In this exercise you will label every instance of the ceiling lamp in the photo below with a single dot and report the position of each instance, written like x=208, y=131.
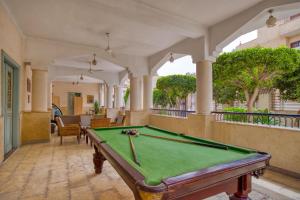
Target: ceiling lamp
x=81, y=77
x=271, y=21
x=171, y=58
x=94, y=61
x=108, y=50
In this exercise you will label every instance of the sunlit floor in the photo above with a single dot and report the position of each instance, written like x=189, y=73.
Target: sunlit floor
x=52, y=171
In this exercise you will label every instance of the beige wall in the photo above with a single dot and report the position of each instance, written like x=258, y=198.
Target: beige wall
x=36, y=127
x=175, y=124
x=61, y=89
x=281, y=143
x=195, y=125
x=137, y=118
x=11, y=42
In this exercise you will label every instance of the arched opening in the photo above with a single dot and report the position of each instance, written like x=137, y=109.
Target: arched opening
x=175, y=85
x=76, y=94
x=269, y=97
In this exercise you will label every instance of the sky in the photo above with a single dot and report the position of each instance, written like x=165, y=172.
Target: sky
x=185, y=65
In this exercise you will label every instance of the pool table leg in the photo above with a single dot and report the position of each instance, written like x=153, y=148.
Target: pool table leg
x=244, y=188
x=98, y=161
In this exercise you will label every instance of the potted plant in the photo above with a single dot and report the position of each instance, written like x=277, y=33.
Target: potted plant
x=96, y=107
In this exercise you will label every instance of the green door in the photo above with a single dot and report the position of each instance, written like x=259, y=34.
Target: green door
x=8, y=108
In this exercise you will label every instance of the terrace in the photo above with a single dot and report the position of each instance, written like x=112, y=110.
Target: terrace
x=71, y=53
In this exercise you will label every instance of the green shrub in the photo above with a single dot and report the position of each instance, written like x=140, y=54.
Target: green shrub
x=256, y=119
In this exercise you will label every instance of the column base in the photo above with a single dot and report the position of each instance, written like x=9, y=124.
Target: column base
x=200, y=125
x=137, y=118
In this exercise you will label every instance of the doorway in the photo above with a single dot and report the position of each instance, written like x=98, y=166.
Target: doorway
x=10, y=103
x=72, y=96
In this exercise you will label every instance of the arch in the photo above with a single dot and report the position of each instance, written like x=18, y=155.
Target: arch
x=194, y=47
x=123, y=76
x=165, y=59
x=110, y=78
x=228, y=30
x=42, y=53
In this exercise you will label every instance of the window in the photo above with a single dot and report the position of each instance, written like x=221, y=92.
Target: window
x=295, y=45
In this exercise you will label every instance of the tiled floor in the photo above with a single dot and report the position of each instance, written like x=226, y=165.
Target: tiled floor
x=52, y=171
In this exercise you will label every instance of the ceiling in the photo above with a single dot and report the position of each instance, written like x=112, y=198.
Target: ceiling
x=137, y=27
x=82, y=62
x=86, y=79
x=205, y=12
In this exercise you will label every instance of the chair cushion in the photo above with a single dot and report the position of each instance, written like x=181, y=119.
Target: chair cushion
x=70, y=119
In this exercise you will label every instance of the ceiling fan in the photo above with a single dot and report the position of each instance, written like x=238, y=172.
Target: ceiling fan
x=108, y=50
x=94, y=62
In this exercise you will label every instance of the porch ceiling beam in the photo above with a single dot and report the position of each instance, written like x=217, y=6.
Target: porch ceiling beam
x=227, y=30
x=152, y=16
x=42, y=53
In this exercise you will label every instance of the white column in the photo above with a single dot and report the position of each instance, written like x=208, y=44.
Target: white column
x=134, y=93
x=110, y=90
x=118, y=97
x=204, y=87
x=101, y=94
x=49, y=92
x=147, y=98
x=39, y=90
x=105, y=95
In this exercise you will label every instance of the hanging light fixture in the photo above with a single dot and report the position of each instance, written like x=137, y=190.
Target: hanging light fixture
x=108, y=49
x=271, y=21
x=171, y=58
x=94, y=61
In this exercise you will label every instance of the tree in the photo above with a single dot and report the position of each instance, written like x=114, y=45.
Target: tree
x=248, y=71
x=289, y=85
x=177, y=87
x=160, y=98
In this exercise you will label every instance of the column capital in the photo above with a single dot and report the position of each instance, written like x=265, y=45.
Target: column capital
x=209, y=61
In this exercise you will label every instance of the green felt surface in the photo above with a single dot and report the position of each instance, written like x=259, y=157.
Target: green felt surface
x=161, y=158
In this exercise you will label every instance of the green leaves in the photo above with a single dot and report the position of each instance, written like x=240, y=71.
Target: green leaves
x=126, y=95
x=289, y=84
x=258, y=67
x=96, y=107
x=170, y=89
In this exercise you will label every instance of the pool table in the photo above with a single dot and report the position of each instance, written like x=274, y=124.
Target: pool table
x=176, y=166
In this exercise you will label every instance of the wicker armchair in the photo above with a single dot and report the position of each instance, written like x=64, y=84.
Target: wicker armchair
x=85, y=123
x=68, y=130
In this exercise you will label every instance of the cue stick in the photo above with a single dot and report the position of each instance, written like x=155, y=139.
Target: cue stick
x=188, y=141
x=133, y=151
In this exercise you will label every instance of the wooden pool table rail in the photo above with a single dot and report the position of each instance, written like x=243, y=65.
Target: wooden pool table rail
x=234, y=178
